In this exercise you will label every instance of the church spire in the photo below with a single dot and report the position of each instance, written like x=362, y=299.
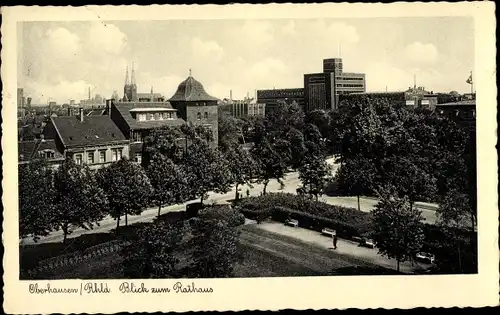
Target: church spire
x=133, y=75
x=127, y=82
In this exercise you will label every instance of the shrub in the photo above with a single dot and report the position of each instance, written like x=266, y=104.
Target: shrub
x=222, y=213
x=347, y=221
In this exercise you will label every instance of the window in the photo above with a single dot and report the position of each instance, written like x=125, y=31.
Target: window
x=149, y=116
x=198, y=116
x=157, y=116
x=78, y=159
x=138, y=157
x=116, y=154
x=141, y=117
x=102, y=156
x=90, y=157
x=206, y=115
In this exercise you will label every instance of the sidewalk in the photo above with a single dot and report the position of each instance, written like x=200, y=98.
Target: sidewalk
x=344, y=247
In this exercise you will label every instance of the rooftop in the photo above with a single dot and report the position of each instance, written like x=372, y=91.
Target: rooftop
x=27, y=150
x=93, y=130
x=191, y=90
x=125, y=109
x=460, y=103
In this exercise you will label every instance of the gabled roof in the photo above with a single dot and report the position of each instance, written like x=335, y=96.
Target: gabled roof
x=28, y=150
x=93, y=130
x=124, y=109
x=191, y=90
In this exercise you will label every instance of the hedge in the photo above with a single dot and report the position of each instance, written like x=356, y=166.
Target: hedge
x=348, y=222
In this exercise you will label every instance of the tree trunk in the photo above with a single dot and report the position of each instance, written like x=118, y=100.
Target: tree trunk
x=65, y=233
x=117, y=223
x=159, y=210
x=201, y=199
x=126, y=219
x=398, y=264
x=265, y=186
x=317, y=197
x=359, y=206
x=237, y=194
x=459, y=258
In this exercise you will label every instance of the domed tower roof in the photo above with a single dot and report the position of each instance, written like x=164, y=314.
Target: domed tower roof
x=191, y=90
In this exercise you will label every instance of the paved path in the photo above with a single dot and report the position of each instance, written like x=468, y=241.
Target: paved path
x=292, y=182
x=344, y=247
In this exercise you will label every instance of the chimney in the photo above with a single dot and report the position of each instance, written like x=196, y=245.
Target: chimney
x=80, y=115
x=231, y=95
x=108, y=107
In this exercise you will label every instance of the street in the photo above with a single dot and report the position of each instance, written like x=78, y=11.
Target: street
x=292, y=182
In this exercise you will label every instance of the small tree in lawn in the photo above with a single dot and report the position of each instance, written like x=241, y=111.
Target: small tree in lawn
x=36, y=199
x=397, y=227
x=79, y=201
x=206, y=169
x=153, y=253
x=168, y=180
x=128, y=189
x=214, y=244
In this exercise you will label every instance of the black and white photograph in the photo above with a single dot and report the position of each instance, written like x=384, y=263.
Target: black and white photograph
x=194, y=149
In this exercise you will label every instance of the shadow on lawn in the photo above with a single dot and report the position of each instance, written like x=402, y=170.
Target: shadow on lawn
x=31, y=255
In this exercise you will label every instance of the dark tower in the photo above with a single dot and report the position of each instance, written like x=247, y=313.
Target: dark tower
x=126, y=88
x=133, y=86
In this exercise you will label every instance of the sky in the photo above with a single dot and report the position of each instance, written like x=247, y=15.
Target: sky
x=61, y=60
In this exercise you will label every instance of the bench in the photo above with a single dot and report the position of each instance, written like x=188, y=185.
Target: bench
x=327, y=231
x=292, y=222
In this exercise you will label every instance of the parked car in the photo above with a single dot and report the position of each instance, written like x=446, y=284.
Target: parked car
x=327, y=231
x=425, y=257
x=292, y=222
x=367, y=242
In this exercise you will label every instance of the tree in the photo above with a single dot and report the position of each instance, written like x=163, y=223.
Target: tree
x=36, y=199
x=357, y=177
x=314, y=174
x=78, y=200
x=153, y=253
x=271, y=159
x=168, y=181
x=128, y=189
x=229, y=131
x=214, y=244
x=397, y=228
x=168, y=141
x=241, y=166
x=206, y=169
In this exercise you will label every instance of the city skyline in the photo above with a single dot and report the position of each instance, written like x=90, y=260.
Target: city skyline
x=61, y=60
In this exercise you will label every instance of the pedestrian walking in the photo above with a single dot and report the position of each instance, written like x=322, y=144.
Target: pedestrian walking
x=334, y=237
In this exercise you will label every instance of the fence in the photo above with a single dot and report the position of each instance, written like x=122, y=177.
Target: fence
x=78, y=257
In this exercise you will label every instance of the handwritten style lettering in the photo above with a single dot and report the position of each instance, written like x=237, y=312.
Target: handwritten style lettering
x=180, y=288
x=130, y=287
x=35, y=289
x=91, y=288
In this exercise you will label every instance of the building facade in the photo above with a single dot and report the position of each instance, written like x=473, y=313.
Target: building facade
x=322, y=90
x=92, y=140
x=271, y=98
x=418, y=96
x=243, y=108
x=462, y=112
x=39, y=149
x=395, y=98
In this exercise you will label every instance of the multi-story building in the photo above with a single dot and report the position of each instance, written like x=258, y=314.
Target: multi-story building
x=92, y=140
x=322, y=90
x=462, y=112
x=396, y=98
x=418, y=96
x=39, y=149
x=271, y=98
x=243, y=108
x=136, y=119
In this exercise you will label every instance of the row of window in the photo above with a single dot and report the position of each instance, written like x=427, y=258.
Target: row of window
x=155, y=116
x=349, y=78
x=116, y=155
x=205, y=115
x=350, y=85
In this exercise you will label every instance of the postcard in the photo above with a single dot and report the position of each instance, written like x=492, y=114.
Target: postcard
x=249, y=157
